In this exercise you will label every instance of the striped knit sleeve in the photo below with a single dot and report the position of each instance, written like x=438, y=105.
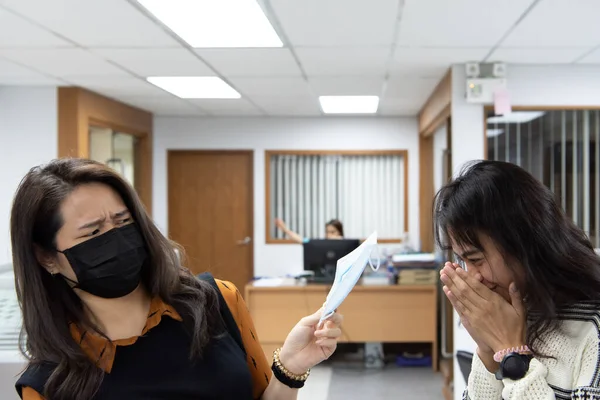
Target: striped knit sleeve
x=586, y=379
x=256, y=359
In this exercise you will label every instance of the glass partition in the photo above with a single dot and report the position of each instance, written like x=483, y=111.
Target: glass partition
x=559, y=147
x=115, y=149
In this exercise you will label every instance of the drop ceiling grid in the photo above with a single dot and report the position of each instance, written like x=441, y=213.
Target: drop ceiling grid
x=342, y=47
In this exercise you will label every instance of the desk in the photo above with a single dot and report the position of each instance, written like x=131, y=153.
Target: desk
x=393, y=314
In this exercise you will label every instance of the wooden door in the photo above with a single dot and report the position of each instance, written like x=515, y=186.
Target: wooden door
x=211, y=211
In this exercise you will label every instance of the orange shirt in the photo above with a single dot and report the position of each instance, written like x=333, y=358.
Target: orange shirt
x=102, y=351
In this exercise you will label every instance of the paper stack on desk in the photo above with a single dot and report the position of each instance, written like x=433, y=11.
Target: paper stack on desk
x=348, y=271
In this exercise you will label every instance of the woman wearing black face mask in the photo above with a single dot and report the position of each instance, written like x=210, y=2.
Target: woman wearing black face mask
x=109, y=313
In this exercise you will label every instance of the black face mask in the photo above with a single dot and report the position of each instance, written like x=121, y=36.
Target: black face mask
x=109, y=265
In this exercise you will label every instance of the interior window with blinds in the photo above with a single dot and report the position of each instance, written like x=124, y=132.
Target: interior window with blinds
x=562, y=149
x=366, y=192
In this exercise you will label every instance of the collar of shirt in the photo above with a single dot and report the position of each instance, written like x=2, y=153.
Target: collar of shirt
x=102, y=350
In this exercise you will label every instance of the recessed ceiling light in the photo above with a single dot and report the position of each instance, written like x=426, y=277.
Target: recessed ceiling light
x=516, y=117
x=216, y=23
x=494, y=132
x=349, y=104
x=195, y=87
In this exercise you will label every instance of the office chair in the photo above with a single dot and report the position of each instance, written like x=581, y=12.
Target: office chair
x=464, y=359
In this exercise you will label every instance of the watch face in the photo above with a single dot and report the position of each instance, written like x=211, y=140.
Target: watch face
x=514, y=366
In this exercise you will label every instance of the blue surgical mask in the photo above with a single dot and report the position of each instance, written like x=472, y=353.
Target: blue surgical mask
x=348, y=271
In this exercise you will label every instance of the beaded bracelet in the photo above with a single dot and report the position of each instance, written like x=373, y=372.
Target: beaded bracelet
x=521, y=350
x=286, y=377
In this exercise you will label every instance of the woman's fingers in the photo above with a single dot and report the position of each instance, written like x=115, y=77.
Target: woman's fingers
x=328, y=333
x=333, y=320
x=336, y=319
x=328, y=343
x=456, y=304
x=452, y=285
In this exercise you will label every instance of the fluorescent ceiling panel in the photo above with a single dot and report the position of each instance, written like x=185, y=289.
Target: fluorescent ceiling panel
x=195, y=87
x=349, y=104
x=494, y=132
x=516, y=117
x=216, y=23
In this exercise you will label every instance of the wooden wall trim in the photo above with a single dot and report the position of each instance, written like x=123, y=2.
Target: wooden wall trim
x=78, y=109
x=436, y=109
x=270, y=153
x=426, y=193
x=435, y=112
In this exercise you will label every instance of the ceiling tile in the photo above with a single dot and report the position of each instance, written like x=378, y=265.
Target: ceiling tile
x=222, y=107
x=289, y=105
x=93, y=23
x=62, y=62
x=398, y=107
x=157, y=62
x=414, y=90
x=15, y=32
x=337, y=22
x=369, y=61
x=251, y=62
x=13, y=74
x=558, y=23
x=403, y=87
x=537, y=55
x=432, y=62
x=458, y=23
x=117, y=86
x=346, y=85
x=8, y=69
x=163, y=105
x=39, y=80
x=592, y=58
x=271, y=86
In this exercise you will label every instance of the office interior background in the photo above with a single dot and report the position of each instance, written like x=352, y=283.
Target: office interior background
x=225, y=115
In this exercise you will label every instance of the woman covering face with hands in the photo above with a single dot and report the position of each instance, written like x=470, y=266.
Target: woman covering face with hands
x=526, y=285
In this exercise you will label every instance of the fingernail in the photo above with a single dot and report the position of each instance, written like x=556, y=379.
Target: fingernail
x=513, y=288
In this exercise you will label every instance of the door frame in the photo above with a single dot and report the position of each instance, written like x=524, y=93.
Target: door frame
x=247, y=152
x=78, y=109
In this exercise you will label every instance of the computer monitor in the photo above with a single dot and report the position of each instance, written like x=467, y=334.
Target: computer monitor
x=321, y=255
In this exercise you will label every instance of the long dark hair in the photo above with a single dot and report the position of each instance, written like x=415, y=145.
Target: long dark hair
x=337, y=224
x=48, y=304
x=522, y=217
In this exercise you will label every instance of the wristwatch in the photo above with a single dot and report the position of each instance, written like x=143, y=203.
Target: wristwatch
x=514, y=366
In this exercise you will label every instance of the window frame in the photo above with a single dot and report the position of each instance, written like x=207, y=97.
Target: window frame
x=270, y=153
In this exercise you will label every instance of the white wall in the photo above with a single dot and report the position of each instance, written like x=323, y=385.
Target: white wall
x=528, y=85
x=260, y=134
x=554, y=85
x=29, y=132
x=440, y=139
x=467, y=144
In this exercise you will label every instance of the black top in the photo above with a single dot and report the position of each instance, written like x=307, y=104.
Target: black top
x=157, y=366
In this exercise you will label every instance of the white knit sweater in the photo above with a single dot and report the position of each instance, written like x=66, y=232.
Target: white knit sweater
x=573, y=373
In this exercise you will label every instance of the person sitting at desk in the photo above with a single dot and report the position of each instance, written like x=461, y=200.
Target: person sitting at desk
x=110, y=313
x=334, y=229
x=526, y=287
